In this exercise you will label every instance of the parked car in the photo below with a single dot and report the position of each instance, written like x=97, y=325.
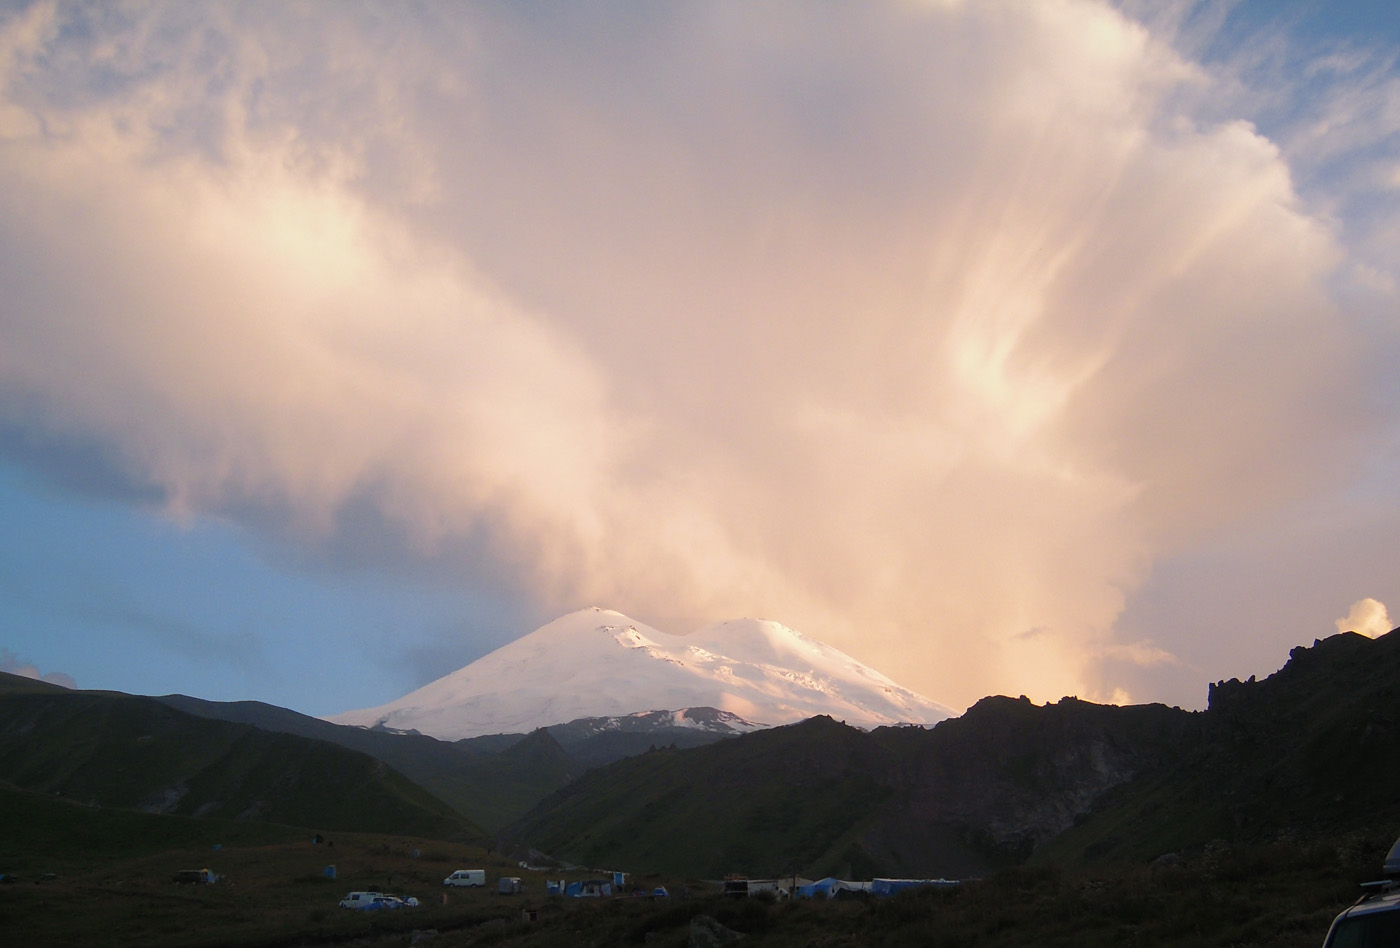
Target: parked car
x=1374, y=921
x=466, y=877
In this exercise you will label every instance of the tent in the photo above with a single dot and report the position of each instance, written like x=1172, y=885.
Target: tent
x=888, y=887
x=827, y=888
x=588, y=889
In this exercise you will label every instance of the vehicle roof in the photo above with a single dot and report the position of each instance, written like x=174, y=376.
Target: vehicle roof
x=1387, y=901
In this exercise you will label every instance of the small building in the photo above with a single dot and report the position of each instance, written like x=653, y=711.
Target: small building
x=778, y=888
x=509, y=885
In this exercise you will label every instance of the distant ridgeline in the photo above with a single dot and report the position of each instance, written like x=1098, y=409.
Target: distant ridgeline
x=69, y=744
x=1311, y=751
x=493, y=779
x=122, y=751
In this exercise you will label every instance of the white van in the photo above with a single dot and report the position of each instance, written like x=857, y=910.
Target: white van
x=466, y=877
x=360, y=900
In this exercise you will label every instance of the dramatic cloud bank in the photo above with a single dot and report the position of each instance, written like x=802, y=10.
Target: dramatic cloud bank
x=925, y=329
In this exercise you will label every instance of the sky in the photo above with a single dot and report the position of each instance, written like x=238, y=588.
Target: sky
x=1036, y=347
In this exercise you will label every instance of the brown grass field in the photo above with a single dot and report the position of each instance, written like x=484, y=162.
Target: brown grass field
x=273, y=893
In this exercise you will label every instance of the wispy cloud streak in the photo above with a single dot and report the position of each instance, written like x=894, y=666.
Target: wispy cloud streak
x=915, y=327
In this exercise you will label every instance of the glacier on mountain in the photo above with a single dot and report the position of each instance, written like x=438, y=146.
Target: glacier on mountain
x=598, y=663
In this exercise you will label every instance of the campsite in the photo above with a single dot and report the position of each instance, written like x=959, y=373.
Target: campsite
x=107, y=878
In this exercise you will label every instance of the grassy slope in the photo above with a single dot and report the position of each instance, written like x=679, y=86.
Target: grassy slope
x=820, y=797
x=490, y=780
x=501, y=787
x=49, y=834
x=494, y=780
x=768, y=802
x=114, y=889
x=114, y=881
x=1275, y=898
x=130, y=752
x=20, y=685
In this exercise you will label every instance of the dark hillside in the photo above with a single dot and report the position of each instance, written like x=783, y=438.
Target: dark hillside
x=1319, y=740
x=130, y=752
x=490, y=780
x=1311, y=752
x=493, y=779
x=48, y=833
x=768, y=803
x=819, y=797
x=502, y=786
x=394, y=748
x=20, y=685
x=1008, y=776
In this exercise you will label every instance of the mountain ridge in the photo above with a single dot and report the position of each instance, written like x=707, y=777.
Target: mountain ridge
x=1311, y=751
x=491, y=779
x=138, y=753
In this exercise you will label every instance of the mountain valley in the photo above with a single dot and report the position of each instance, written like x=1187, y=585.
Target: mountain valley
x=1308, y=750
x=1290, y=781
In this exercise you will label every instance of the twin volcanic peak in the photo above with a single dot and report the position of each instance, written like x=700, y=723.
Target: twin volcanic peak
x=597, y=663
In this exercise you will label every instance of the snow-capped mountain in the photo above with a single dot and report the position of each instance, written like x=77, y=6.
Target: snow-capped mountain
x=598, y=663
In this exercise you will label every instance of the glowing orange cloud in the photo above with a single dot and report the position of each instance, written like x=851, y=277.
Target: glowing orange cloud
x=922, y=329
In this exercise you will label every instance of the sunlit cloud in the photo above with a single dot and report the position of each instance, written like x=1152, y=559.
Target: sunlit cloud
x=1368, y=617
x=1141, y=653
x=913, y=327
x=11, y=663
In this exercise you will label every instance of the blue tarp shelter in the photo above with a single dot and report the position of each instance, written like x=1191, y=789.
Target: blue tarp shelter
x=888, y=887
x=588, y=889
x=823, y=888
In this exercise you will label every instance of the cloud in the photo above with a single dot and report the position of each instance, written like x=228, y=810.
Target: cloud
x=1329, y=98
x=1141, y=653
x=914, y=327
x=11, y=663
x=1367, y=616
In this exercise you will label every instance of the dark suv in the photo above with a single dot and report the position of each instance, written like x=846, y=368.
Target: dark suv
x=1374, y=921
